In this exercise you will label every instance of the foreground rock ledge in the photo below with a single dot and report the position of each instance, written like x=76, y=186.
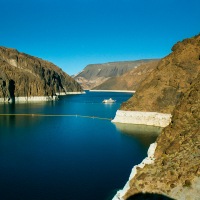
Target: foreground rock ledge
x=146, y=118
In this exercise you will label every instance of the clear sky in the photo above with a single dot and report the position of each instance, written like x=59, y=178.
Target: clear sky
x=74, y=33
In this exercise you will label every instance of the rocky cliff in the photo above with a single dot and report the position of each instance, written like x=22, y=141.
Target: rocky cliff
x=95, y=74
x=174, y=87
x=163, y=88
x=130, y=80
x=176, y=170
x=22, y=75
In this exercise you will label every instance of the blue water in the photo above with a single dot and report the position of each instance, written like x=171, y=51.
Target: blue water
x=66, y=158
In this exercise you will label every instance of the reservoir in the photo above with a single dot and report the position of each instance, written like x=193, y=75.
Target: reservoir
x=54, y=156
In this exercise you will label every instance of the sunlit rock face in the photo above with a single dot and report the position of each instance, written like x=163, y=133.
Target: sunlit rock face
x=175, y=171
x=164, y=87
x=22, y=75
x=94, y=75
x=173, y=88
x=131, y=79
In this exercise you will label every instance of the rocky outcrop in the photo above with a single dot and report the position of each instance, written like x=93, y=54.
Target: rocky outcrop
x=95, y=74
x=130, y=80
x=163, y=88
x=175, y=171
x=22, y=75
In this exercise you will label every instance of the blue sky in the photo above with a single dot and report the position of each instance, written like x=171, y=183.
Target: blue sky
x=72, y=34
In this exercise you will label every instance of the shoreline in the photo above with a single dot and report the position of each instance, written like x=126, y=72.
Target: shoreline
x=36, y=98
x=147, y=161
x=28, y=99
x=125, y=91
x=66, y=93
x=145, y=118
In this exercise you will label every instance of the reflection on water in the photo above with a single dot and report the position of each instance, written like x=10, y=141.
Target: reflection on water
x=11, y=121
x=143, y=133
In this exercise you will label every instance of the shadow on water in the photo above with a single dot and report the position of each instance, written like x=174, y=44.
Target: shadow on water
x=142, y=133
x=18, y=108
x=148, y=196
x=7, y=120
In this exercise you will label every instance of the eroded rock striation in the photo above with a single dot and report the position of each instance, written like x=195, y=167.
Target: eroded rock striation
x=130, y=80
x=95, y=74
x=22, y=75
x=173, y=88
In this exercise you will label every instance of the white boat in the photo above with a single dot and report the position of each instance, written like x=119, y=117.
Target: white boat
x=109, y=100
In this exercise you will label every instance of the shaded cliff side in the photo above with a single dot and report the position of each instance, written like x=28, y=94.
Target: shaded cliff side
x=22, y=75
x=163, y=88
x=95, y=74
x=131, y=80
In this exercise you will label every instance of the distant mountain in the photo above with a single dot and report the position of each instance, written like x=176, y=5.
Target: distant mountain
x=95, y=74
x=131, y=79
x=22, y=75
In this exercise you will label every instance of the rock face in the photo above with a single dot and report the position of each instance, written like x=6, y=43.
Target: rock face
x=130, y=80
x=163, y=88
x=174, y=87
x=176, y=169
x=22, y=75
x=95, y=74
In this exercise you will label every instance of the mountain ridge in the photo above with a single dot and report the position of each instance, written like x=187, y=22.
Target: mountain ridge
x=95, y=74
x=23, y=75
x=129, y=80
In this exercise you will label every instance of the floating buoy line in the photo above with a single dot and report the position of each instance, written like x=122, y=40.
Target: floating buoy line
x=57, y=115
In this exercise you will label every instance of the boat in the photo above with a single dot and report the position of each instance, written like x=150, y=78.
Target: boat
x=109, y=100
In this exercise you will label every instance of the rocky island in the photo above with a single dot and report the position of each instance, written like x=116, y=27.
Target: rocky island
x=172, y=167
x=27, y=78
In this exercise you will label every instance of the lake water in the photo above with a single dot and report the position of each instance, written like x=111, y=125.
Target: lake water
x=68, y=157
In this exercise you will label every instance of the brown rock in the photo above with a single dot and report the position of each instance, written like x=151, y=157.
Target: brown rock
x=177, y=153
x=131, y=80
x=26, y=76
x=163, y=88
x=105, y=76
